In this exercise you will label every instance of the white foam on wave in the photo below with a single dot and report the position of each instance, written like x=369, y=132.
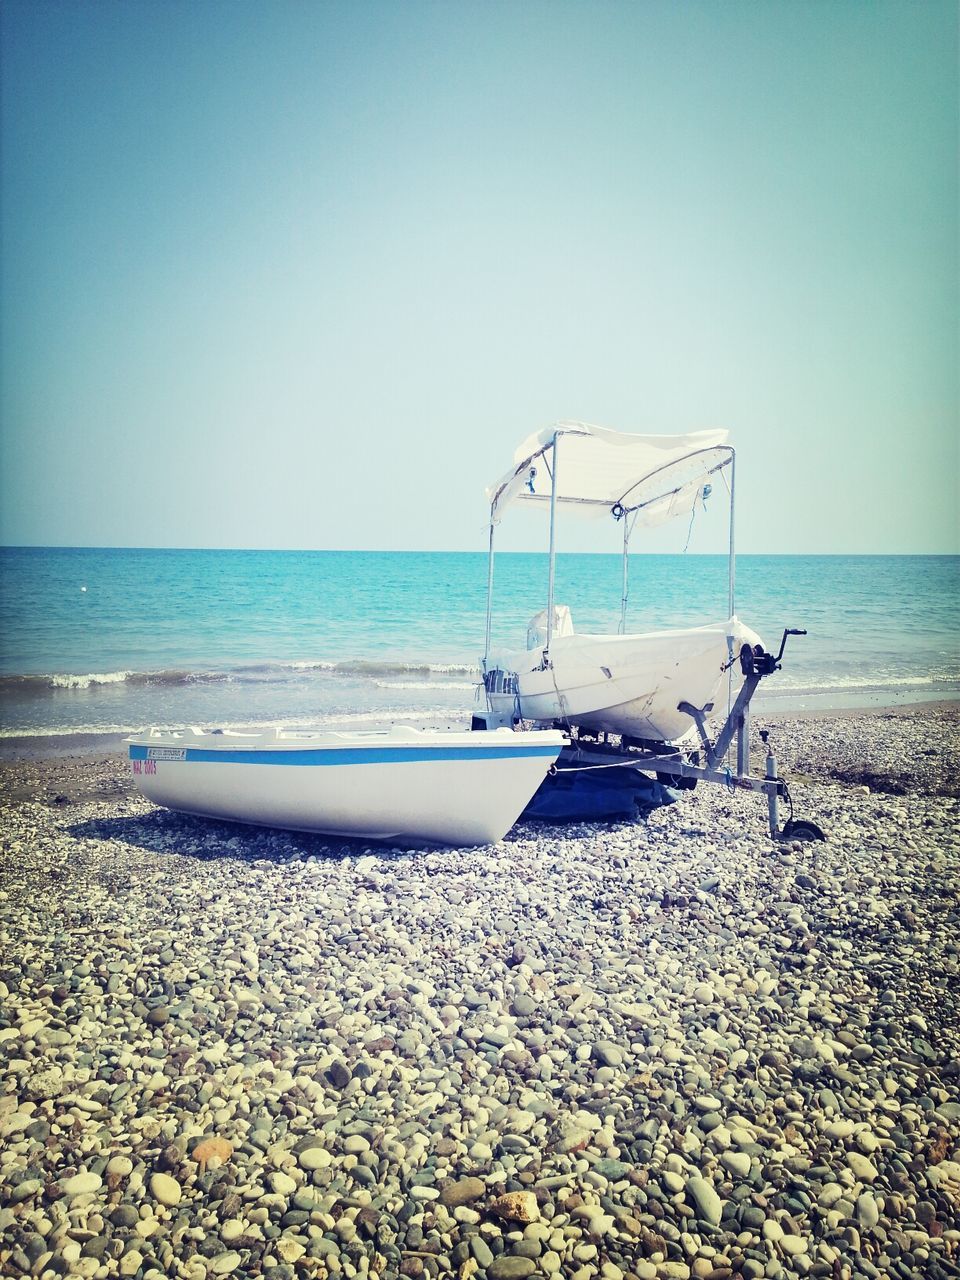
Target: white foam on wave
x=372, y=667
x=387, y=715
x=69, y=731
x=420, y=684
x=69, y=681
x=385, y=674
x=837, y=683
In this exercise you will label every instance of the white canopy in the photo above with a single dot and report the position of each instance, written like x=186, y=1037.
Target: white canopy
x=601, y=471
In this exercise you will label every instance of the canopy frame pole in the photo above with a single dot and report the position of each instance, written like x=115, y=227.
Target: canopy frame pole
x=486, y=646
x=626, y=572
x=732, y=560
x=551, y=573
x=731, y=577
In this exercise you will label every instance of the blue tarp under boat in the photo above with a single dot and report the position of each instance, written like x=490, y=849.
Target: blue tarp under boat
x=596, y=795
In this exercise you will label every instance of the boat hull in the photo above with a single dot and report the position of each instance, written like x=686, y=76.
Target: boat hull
x=455, y=788
x=630, y=684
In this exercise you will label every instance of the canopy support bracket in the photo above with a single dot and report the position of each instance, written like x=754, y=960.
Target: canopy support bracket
x=553, y=551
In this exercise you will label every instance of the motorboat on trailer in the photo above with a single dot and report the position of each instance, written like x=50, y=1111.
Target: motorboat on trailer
x=452, y=787
x=635, y=685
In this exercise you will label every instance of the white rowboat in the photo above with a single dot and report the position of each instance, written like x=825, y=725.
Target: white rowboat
x=445, y=787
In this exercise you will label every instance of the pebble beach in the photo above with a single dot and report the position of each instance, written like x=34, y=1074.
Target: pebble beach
x=665, y=1049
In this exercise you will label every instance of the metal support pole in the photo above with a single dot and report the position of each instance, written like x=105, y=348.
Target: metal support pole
x=625, y=589
x=732, y=562
x=551, y=574
x=743, y=743
x=486, y=647
x=772, y=799
x=747, y=690
x=699, y=717
x=731, y=573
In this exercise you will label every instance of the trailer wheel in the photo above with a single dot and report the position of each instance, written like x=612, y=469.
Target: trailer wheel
x=801, y=830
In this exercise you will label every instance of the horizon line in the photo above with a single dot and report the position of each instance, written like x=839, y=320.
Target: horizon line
x=720, y=555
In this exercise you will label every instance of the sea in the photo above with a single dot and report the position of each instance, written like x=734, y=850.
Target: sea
x=106, y=641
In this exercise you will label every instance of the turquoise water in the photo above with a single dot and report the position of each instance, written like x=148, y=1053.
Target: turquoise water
x=105, y=640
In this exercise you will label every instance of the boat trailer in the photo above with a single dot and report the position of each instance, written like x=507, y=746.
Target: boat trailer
x=682, y=769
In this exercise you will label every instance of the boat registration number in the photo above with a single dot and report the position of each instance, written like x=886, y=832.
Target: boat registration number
x=166, y=753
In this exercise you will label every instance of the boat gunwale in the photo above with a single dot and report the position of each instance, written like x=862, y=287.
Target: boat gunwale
x=527, y=745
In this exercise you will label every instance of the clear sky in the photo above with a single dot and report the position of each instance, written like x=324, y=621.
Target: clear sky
x=290, y=274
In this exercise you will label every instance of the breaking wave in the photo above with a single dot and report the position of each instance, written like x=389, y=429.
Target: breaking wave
x=96, y=679
x=434, y=684
x=424, y=716
x=827, y=682
x=408, y=674
x=426, y=670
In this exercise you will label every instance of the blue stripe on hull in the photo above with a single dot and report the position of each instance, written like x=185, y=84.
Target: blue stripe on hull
x=323, y=756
